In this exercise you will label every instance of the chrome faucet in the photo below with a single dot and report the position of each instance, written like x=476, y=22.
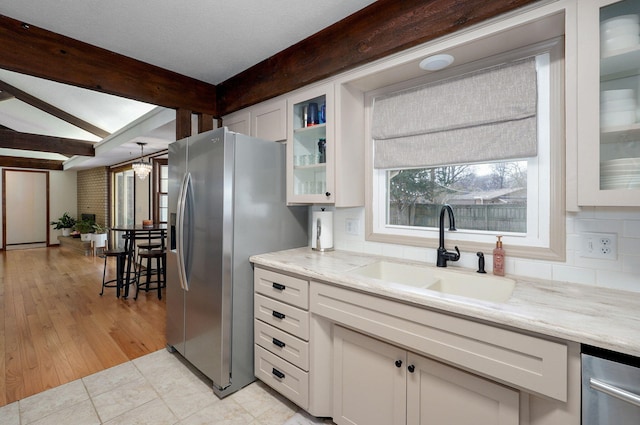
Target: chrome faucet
x=443, y=254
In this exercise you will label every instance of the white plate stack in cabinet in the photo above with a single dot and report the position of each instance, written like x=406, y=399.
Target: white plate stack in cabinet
x=608, y=60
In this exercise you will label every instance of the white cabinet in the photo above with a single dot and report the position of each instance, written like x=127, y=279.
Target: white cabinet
x=608, y=103
x=269, y=120
x=310, y=147
x=379, y=383
x=325, y=146
x=266, y=120
x=368, y=387
x=283, y=352
x=239, y=122
x=281, y=334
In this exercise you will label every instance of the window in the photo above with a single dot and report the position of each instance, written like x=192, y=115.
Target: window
x=493, y=192
x=161, y=200
x=490, y=197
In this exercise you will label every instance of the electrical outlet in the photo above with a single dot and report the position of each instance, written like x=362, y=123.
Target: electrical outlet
x=351, y=226
x=599, y=245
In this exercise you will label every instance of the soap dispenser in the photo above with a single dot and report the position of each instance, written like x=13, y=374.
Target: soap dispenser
x=498, y=258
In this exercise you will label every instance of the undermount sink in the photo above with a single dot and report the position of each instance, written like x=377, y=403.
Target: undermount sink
x=405, y=274
x=479, y=286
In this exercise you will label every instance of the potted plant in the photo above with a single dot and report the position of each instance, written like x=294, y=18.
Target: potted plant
x=99, y=236
x=66, y=222
x=85, y=228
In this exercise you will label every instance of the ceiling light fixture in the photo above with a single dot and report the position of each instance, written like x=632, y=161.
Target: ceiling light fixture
x=436, y=62
x=141, y=168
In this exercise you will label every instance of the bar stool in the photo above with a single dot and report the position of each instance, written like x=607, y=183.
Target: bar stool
x=118, y=282
x=159, y=271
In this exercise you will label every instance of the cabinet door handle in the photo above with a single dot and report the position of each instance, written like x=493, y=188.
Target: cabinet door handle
x=279, y=343
x=398, y=363
x=277, y=373
x=278, y=286
x=327, y=194
x=411, y=368
x=278, y=315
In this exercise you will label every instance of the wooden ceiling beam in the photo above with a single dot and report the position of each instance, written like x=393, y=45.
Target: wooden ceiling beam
x=20, y=162
x=5, y=96
x=35, y=142
x=381, y=29
x=45, y=54
x=52, y=110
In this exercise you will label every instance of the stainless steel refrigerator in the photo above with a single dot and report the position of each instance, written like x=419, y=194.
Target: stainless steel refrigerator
x=226, y=203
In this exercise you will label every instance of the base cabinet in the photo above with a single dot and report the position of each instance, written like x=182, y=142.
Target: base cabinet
x=368, y=387
x=379, y=383
x=441, y=394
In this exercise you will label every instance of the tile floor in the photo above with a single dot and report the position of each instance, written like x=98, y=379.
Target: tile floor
x=155, y=389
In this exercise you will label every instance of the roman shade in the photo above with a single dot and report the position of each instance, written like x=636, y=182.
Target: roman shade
x=487, y=115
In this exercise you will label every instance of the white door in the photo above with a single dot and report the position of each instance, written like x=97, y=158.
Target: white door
x=25, y=207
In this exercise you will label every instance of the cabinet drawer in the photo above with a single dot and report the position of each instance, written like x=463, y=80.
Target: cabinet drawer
x=288, y=289
x=282, y=376
x=282, y=344
x=282, y=316
x=531, y=363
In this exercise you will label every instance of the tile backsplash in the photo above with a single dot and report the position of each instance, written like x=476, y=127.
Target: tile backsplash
x=621, y=273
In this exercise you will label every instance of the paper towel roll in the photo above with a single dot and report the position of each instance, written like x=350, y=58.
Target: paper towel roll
x=322, y=231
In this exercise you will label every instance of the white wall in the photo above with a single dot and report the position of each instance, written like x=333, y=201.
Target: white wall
x=623, y=273
x=63, y=197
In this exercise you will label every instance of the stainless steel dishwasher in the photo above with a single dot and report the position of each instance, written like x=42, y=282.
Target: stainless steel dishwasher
x=610, y=388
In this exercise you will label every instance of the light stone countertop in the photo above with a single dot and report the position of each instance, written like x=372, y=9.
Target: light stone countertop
x=585, y=314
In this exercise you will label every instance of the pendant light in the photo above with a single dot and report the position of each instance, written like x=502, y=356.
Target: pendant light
x=141, y=168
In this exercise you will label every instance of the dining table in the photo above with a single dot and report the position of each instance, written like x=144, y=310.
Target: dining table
x=132, y=233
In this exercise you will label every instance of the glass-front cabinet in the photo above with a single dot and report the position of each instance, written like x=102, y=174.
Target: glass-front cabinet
x=609, y=102
x=310, y=147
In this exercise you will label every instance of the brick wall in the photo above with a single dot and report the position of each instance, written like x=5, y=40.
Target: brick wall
x=93, y=193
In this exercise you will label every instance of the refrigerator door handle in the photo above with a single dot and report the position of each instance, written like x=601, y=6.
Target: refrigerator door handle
x=182, y=205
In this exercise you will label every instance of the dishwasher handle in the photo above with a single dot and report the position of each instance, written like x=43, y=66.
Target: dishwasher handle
x=614, y=391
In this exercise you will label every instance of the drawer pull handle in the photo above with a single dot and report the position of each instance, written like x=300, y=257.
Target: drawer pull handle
x=277, y=373
x=278, y=286
x=278, y=315
x=279, y=343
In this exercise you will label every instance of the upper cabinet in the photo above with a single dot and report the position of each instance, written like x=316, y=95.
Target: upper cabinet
x=239, y=122
x=325, y=146
x=266, y=120
x=609, y=102
x=310, y=152
x=269, y=120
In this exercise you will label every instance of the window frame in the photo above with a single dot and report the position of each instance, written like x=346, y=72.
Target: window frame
x=158, y=163
x=550, y=239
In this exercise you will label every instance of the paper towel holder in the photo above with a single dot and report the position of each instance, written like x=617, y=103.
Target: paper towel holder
x=319, y=236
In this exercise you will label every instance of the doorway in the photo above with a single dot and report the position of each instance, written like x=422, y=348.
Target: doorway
x=25, y=210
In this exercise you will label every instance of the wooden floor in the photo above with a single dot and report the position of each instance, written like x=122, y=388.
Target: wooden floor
x=55, y=327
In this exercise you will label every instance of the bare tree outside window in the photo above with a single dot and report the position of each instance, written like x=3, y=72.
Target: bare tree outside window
x=485, y=197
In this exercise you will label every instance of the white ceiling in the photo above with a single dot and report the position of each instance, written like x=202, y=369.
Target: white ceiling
x=208, y=40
